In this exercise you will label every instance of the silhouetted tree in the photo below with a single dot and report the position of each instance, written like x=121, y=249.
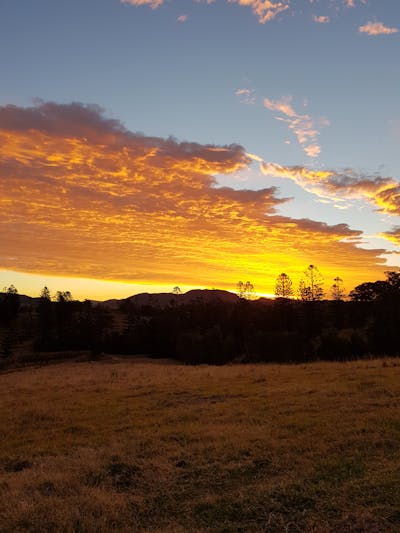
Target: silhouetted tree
x=337, y=289
x=245, y=290
x=283, y=286
x=46, y=319
x=63, y=297
x=393, y=280
x=45, y=294
x=176, y=290
x=9, y=304
x=45, y=309
x=311, y=285
x=304, y=291
x=9, y=308
x=369, y=291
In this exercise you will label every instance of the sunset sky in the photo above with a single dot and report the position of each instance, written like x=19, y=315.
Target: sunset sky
x=146, y=144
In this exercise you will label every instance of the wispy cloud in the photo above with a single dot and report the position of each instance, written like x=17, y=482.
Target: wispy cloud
x=352, y=3
x=182, y=18
x=312, y=150
x=82, y=196
x=264, y=10
x=154, y=4
x=377, y=28
x=302, y=125
x=393, y=235
x=246, y=96
x=381, y=192
x=321, y=19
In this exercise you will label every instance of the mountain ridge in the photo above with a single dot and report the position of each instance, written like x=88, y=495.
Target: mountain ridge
x=161, y=300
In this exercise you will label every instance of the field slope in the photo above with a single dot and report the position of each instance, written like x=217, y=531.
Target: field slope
x=147, y=446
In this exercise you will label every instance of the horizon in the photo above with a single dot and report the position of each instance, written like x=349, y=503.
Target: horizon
x=253, y=295
x=81, y=297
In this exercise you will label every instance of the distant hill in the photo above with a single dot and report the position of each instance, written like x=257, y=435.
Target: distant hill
x=161, y=300
x=26, y=301
x=165, y=299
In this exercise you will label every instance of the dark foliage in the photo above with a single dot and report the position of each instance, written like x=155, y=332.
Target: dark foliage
x=216, y=332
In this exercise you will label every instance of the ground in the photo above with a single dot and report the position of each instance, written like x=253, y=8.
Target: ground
x=136, y=445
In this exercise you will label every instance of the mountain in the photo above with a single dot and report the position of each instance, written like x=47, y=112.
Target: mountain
x=160, y=300
x=166, y=299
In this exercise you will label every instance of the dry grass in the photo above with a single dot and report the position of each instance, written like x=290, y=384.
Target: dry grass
x=132, y=446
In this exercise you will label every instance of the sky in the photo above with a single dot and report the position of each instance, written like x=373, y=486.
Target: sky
x=146, y=144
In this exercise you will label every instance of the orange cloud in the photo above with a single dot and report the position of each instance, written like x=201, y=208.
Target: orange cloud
x=377, y=28
x=82, y=196
x=393, y=235
x=303, y=126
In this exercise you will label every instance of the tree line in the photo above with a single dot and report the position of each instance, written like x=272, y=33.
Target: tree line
x=283, y=329
x=310, y=287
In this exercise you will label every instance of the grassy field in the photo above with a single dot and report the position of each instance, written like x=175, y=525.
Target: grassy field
x=151, y=446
